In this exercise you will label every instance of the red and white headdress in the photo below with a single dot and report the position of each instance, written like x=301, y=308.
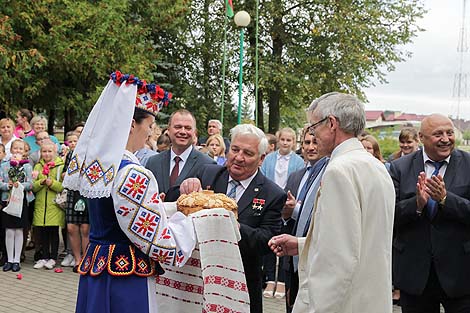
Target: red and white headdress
x=99, y=151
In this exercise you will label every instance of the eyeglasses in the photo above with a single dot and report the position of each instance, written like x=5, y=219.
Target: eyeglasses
x=311, y=128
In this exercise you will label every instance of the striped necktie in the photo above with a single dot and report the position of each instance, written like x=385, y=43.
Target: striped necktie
x=233, y=191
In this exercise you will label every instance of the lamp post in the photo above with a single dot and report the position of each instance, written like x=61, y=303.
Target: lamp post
x=241, y=19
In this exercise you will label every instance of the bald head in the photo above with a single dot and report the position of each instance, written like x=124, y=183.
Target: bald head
x=437, y=136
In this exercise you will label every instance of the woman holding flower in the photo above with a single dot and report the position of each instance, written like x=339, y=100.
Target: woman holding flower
x=48, y=217
x=12, y=174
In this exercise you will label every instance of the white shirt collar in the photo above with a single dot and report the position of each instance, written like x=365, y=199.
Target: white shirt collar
x=426, y=158
x=184, y=156
x=286, y=157
x=246, y=182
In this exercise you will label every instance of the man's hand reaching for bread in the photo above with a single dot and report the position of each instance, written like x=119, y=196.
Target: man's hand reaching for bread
x=189, y=185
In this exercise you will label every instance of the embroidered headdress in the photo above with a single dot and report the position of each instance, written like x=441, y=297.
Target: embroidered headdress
x=99, y=150
x=150, y=97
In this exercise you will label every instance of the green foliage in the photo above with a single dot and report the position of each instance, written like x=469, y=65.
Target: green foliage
x=388, y=144
x=55, y=55
x=308, y=48
x=79, y=44
x=466, y=135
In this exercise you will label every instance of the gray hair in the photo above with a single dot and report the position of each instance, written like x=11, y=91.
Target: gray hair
x=38, y=118
x=251, y=130
x=216, y=122
x=346, y=108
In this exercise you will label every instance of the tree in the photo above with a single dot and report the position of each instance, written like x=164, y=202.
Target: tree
x=80, y=43
x=309, y=47
x=17, y=66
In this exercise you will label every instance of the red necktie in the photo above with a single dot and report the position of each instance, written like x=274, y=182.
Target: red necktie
x=175, y=171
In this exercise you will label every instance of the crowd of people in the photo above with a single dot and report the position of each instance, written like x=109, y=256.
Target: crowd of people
x=321, y=238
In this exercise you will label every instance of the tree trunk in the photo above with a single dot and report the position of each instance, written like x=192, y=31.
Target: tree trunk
x=274, y=112
x=50, y=122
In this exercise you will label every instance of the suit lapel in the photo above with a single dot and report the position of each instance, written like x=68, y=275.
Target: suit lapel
x=451, y=170
x=192, y=158
x=418, y=163
x=221, y=186
x=165, y=170
x=254, y=188
x=297, y=181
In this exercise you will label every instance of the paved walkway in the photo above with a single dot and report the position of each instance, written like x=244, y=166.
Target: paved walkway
x=46, y=291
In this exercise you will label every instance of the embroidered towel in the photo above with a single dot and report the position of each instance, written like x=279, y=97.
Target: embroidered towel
x=213, y=279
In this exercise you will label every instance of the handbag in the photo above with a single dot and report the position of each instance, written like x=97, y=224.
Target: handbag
x=61, y=197
x=15, y=204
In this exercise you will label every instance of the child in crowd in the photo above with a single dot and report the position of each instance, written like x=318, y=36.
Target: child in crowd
x=48, y=217
x=17, y=171
x=76, y=216
x=2, y=153
x=277, y=166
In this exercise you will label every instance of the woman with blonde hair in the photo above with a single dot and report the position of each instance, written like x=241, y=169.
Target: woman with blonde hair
x=372, y=146
x=216, y=148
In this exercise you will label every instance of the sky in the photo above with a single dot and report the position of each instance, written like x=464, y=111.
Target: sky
x=423, y=84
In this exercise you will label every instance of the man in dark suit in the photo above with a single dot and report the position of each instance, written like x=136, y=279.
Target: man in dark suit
x=298, y=186
x=431, y=259
x=173, y=166
x=260, y=201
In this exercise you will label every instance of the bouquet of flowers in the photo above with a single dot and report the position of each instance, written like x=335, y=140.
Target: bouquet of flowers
x=47, y=168
x=16, y=173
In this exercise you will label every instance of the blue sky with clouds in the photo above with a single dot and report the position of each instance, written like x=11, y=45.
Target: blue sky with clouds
x=423, y=84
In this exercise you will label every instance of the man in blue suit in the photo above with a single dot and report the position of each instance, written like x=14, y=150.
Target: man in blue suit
x=173, y=166
x=431, y=259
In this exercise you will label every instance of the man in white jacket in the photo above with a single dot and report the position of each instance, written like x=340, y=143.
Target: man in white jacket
x=345, y=260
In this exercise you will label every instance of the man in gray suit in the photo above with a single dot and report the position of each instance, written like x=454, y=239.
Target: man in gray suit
x=182, y=161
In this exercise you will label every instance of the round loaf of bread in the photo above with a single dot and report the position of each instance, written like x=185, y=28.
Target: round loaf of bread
x=206, y=199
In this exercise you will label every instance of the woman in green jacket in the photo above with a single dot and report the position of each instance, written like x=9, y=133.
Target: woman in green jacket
x=48, y=217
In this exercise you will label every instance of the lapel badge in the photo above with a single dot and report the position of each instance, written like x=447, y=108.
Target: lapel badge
x=257, y=206
x=256, y=189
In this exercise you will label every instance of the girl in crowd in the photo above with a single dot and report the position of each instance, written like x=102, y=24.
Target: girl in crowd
x=277, y=166
x=48, y=217
x=76, y=216
x=372, y=146
x=7, y=137
x=17, y=171
x=216, y=148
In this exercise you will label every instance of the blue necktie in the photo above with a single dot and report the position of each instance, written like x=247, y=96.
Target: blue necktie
x=431, y=206
x=306, y=186
x=233, y=191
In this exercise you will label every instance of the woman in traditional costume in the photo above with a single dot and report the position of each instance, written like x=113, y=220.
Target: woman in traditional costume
x=130, y=233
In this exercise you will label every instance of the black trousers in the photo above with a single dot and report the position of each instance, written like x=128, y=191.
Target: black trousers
x=431, y=299
x=50, y=241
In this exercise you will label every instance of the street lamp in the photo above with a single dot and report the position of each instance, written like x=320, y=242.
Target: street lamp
x=241, y=19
